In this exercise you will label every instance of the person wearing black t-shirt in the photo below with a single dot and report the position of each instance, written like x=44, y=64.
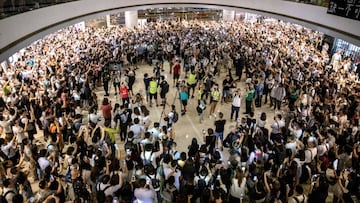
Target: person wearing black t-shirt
x=219, y=129
x=227, y=82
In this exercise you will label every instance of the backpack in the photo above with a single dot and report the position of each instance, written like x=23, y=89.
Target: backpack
x=201, y=184
x=175, y=117
x=124, y=117
x=79, y=188
x=313, y=162
x=147, y=160
x=297, y=200
x=155, y=182
x=100, y=194
x=3, y=197
x=165, y=87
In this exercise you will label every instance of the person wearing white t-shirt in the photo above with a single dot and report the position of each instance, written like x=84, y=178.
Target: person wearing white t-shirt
x=235, y=105
x=145, y=193
x=173, y=171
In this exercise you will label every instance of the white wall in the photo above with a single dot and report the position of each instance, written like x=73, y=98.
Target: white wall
x=19, y=30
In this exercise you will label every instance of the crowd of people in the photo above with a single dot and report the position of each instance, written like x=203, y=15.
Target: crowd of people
x=308, y=150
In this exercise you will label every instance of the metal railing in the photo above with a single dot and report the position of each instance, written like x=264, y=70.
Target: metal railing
x=11, y=7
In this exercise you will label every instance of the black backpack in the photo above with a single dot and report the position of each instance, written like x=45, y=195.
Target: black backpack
x=3, y=197
x=165, y=87
x=175, y=117
x=100, y=194
x=201, y=184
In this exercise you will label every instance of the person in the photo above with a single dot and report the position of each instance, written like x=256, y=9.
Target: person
x=215, y=97
x=124, y=93
x=106, y=109
x=153, y=86
x=183, y=95
x=226, y=84
x=268, y=85
x=249, y=98
x=145, y=192
x=176, y=72
x=146, y=81
x=279, y=95
x=115, y=78
x=191, y=83
x=164, y=85
x=106, y=79
x=235, y=105
x=219, y=130
x=238, y=189
x=259, y=90
x=299, y=195
x=201, y=107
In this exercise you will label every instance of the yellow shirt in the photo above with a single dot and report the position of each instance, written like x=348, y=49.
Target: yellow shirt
x=152, y=87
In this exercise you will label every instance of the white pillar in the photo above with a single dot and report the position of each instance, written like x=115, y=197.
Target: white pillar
x=131, y=19
x=108, y=23
x=228, y=15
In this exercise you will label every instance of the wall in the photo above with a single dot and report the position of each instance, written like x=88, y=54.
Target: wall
x=20, y=30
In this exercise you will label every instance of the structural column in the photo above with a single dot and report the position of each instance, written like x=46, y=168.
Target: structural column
x=228, y=15
x=131, y=19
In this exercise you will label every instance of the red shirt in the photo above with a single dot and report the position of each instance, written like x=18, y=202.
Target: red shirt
x=124, y=92
x=177, y=69
x=106, y=110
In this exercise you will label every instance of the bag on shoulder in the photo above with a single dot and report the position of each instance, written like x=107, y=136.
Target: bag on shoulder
x=175, y=117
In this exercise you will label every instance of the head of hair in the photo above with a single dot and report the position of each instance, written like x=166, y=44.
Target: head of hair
x=105, y=101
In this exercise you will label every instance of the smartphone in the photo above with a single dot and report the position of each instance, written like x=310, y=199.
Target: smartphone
x=255, y=178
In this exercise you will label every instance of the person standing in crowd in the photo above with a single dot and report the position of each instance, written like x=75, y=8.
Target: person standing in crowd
x=145, y=192
x=249, y=98
x=259, y=89
x=124, y=93
x=201, y=107
x=235, y=105
x=227, y=84
x=115, y=78
x=219, y=130
x=164, y=85
x=215, y=97
x=279, y=95
x=153, y=86
x=268, y=85
x=106, y=109
x=191, y=83
x=184, y=97
x=336, y=60
x=106, y=79
x=147, y=80
x=176, y=72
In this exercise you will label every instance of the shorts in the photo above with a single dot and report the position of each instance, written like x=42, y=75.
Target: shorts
x=184, y=102
x=153, y=96
x=176, y=76
x=219, y=135
x=162, y=95
x=191, y=86
x=226, y=93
